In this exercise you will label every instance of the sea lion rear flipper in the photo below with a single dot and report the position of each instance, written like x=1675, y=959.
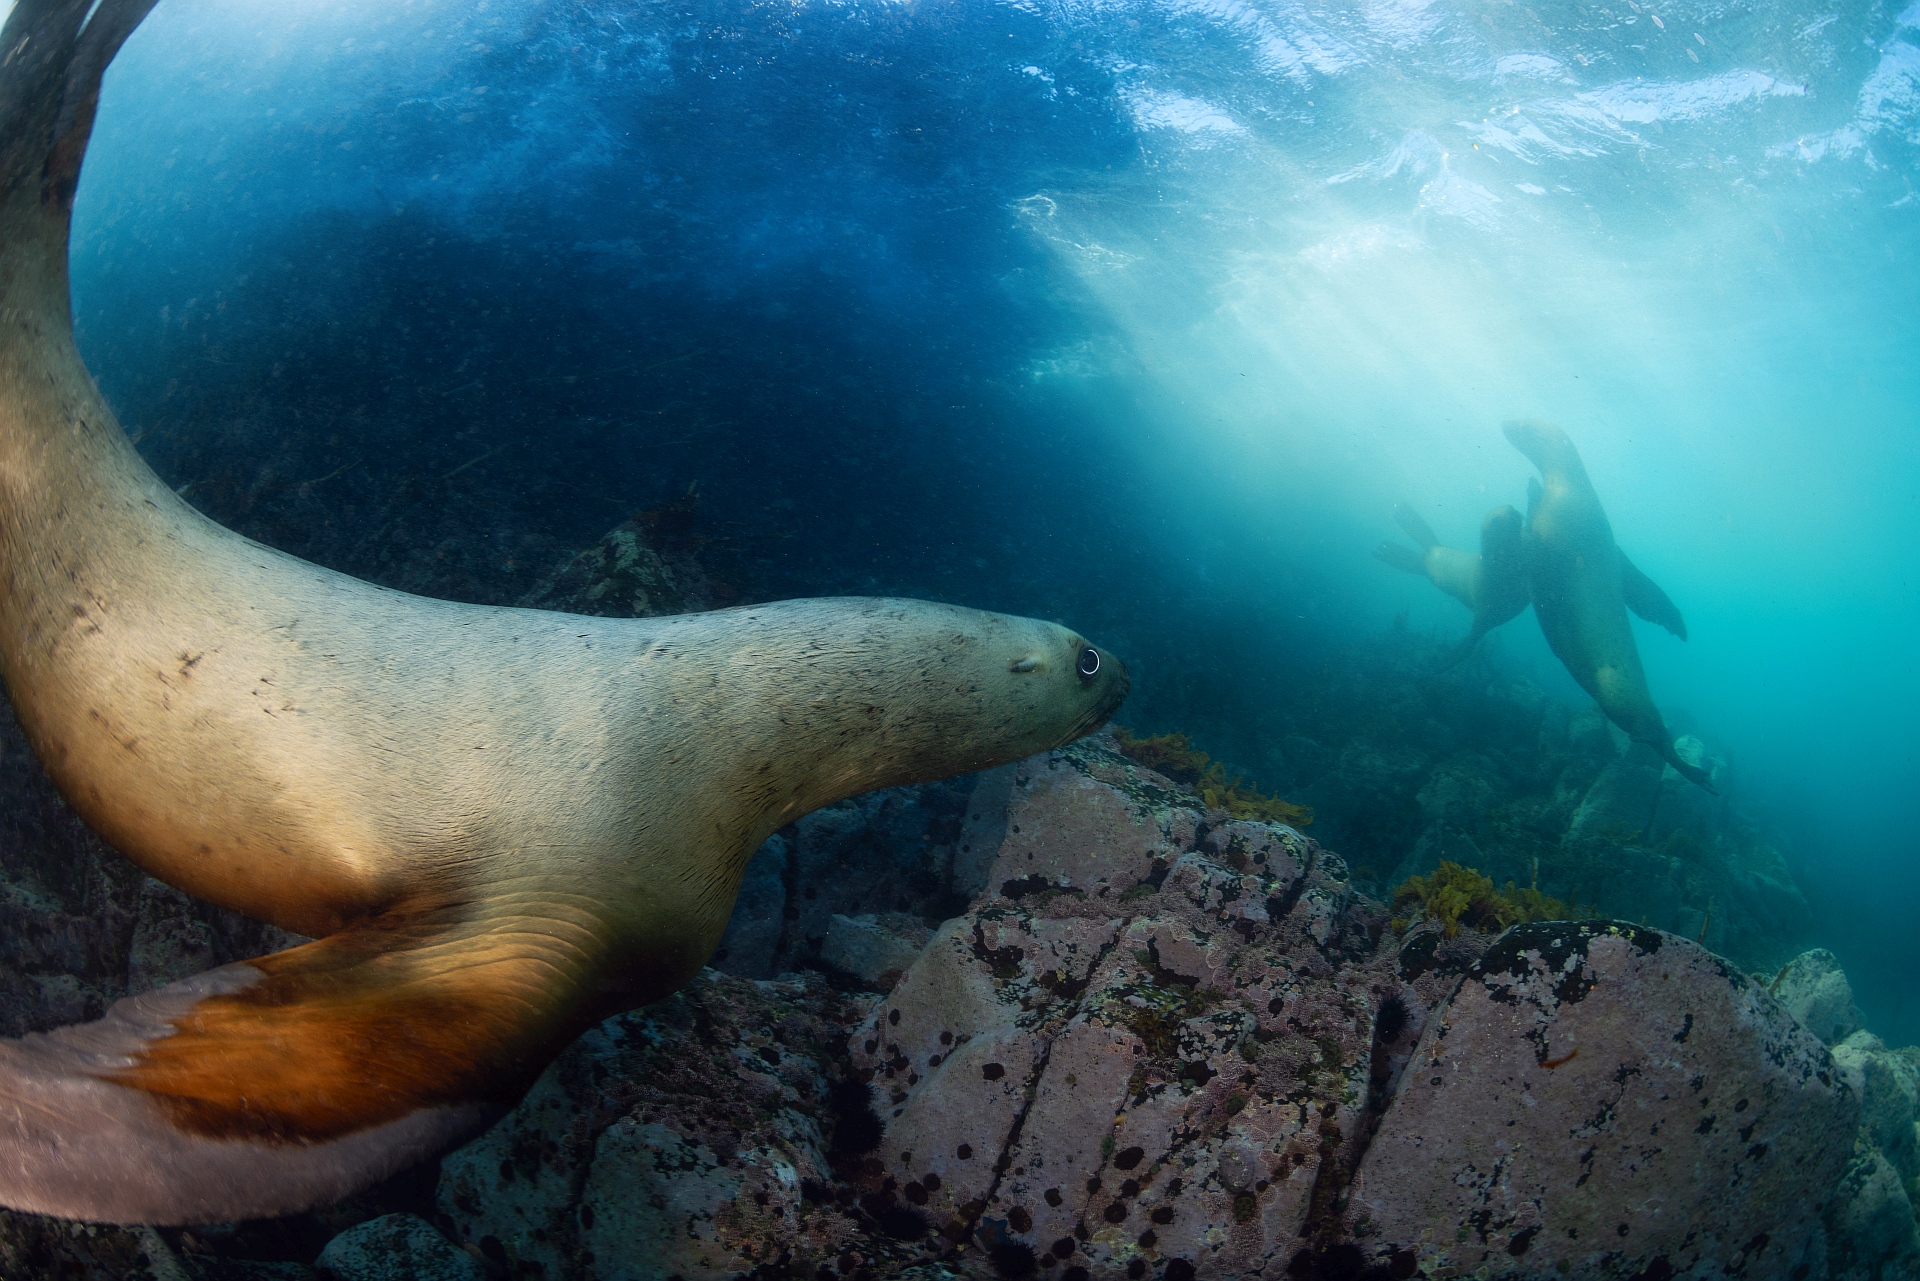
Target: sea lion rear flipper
x=266, y=1087
x=1692, y=773
x=1463, y=650
x=1415, y=525
x=1644, y=597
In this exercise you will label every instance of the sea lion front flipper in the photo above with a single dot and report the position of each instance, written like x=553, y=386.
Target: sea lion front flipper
x=1401, y=557
x=1535, y=492
x=266, y=1087
x=1644, y=597
x=1415, y=525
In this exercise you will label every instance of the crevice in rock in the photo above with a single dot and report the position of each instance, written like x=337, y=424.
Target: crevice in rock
x=1280, y=906
x=1004, y=1161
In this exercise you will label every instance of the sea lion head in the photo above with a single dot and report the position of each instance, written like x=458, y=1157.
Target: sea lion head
x=886, y=691
x=1065, y=685
x=1005, y=687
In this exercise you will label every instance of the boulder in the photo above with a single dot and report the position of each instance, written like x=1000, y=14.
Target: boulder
x=874, y=948
x=692, y=1138
x=1603, y=1100
x=1143, y=1048
x=396, y=1247
x=895, y=863
x=1814, y=989
x=1888, y=1083
x=1871, y=1235
x=1620, y=804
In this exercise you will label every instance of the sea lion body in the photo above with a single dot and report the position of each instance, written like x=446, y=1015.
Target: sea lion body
x=1492, y=583
x=502, y=824
x=1579, y=583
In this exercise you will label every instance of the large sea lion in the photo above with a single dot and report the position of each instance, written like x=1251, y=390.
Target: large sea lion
x=1492, y=583
x=502, y=824
x=1582, y=588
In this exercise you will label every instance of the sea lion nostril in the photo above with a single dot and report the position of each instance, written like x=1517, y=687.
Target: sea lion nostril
x=1089, y=663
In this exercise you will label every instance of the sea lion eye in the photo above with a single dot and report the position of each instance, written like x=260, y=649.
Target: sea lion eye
x=1089, y=664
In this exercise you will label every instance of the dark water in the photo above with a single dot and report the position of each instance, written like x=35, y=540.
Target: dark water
x=1138, y=315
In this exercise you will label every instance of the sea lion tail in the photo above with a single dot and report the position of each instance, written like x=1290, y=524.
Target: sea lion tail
x=1415, y=525
x=1401, y=557
x=271, y=1086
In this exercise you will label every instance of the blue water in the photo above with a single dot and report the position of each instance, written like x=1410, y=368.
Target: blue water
x=1141, y=314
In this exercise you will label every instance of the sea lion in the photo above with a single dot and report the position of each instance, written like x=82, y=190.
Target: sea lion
x=1491, y=583
x=1582, y=587
x=503, y=824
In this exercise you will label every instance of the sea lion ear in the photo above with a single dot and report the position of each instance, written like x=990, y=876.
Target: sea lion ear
x=1644, y=597
x=271, y=1086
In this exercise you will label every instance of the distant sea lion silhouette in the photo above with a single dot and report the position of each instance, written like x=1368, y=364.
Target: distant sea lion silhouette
x=504, y=824
x=1491, y=583
x=1582, y=588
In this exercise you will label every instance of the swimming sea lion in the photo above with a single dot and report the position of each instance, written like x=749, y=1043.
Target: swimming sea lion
x=504, y=824
x=1493, y=583
x=1582, y=586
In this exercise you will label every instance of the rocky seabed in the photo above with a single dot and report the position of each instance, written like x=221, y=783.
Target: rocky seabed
x=1158, y=1042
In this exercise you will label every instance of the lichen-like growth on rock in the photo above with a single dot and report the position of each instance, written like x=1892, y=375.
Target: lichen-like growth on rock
x=1175, y=756
x=1454, y=896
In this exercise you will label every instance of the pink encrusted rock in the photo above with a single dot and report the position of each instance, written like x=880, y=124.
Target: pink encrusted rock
x=1090, y=821
x=957, y=1044
x=1603, y=1100
x=1139, y=1051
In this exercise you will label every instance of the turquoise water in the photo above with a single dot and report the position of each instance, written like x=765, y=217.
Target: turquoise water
x=1138, y=314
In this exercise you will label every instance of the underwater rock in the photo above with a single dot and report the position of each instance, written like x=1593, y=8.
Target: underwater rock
x=875, y=949
x=1870, y=1230
x=757, y=930
x=643, y=567
x=1462, y=785
x=1814, y=989
x=396, y=1247
x=1888, y=1083
x=1143, y=1047
x=904, y=854
x=691, y=1138
x=32, y=1245
x=1561, y=1106
x=1621, y=802
x=80, y=927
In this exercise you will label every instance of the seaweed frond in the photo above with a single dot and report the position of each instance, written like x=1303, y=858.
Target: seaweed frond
x=1454, y=896
x=1175, y=756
